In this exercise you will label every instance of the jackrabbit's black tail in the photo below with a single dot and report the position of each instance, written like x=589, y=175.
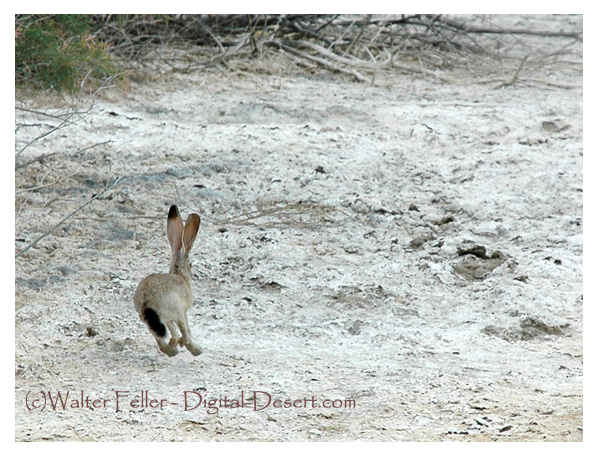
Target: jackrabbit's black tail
x=153, y=320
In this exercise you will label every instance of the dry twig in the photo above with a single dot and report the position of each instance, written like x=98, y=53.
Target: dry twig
x=67, y=217
x=333, y=42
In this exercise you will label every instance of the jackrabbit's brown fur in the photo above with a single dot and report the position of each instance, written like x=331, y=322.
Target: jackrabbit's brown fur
x=162, y=300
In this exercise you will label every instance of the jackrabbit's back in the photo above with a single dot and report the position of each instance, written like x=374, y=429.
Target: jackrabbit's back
x=167, y=294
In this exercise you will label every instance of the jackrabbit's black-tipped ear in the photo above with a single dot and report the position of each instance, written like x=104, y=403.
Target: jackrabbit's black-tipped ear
x=191, y=230
x=173, y=212
x=174, y=229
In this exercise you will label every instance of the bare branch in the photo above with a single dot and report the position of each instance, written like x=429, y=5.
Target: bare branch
x=487, y=30
x=67, y=217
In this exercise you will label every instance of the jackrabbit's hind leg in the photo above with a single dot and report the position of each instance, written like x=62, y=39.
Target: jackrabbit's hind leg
x=186, y=338
x=166, y=348
x=193, y=348
x=175, y=335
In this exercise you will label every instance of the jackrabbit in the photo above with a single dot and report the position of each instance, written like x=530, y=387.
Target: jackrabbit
x=162, y=300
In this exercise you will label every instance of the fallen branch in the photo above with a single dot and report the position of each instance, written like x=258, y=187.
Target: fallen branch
x=325, y=63
x=336, y=43
x=331, y=55
x=486, y=30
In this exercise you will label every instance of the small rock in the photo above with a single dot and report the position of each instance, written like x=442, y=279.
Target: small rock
x=66, y=270
x=476, y=269
x=417, y=242
x=117, y=346
x=476, y=250
x=555, y=126
x=270, y=285
x=532, y=327
x=183, y=173
x=356, y=328
x=444, y=220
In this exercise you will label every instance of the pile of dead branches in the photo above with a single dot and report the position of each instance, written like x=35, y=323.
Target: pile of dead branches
x=358, y=45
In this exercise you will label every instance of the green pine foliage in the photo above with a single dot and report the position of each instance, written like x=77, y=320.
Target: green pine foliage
x=59, y=52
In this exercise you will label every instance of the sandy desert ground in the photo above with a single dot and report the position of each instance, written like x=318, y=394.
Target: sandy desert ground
x=399, y=261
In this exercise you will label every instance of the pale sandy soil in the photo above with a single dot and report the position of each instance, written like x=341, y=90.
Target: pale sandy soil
x=328, y=263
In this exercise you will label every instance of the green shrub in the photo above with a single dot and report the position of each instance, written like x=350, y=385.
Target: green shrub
x=59, y=52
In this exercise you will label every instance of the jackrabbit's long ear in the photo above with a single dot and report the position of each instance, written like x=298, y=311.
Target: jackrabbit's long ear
x=174, y=229
x=191, y=230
